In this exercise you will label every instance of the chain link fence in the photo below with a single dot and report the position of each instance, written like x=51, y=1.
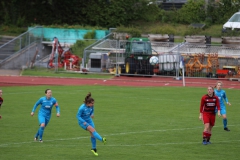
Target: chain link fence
x=107, y=56
x=200, y=60
x=21, y=51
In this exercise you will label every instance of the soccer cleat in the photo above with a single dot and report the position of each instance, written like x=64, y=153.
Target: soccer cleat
x=204, y=143
x=226, y=129
x=94, y=151
x=40, y=140
x=209, y=142
x=104, y=140
x=35, y=139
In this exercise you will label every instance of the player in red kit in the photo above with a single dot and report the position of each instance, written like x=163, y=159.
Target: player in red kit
x=1, y=101
x=209, y=102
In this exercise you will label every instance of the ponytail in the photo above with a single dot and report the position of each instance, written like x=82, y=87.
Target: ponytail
x=88, y=98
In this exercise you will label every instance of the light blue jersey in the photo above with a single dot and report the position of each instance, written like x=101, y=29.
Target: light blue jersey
x=84, y=115
x=221, y=94
x=46, y=106
x=44, y=113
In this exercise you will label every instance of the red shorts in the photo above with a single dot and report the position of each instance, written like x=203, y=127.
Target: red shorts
x=209, y=118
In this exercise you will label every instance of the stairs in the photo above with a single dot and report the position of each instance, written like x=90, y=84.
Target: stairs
x=6, y=49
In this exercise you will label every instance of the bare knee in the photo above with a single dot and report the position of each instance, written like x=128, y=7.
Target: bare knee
x=42, y=124
x=207, y=127
x=224, y=116
x=90, y=129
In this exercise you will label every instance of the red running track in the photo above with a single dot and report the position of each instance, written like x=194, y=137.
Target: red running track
x=116, y=81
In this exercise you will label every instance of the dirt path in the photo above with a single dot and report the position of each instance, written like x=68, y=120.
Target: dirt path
x=8, y=72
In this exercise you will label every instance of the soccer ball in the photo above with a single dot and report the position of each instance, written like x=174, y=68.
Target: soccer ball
x=153, y=60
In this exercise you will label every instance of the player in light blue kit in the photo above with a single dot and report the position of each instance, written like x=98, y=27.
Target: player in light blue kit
x=84, y=115
x=222, y=97
x=44, y=113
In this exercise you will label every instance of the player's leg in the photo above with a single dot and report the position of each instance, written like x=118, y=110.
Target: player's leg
x=209, y=134
x=94, y=145
x=41, y=120
x=93, y=140
x=205, y=133
x=96, y=135
x=41, y=130
x=212, y=123
x=206, y=122
x=43, y=124
x=36, y=135
x=93, y=131
x=224, y=116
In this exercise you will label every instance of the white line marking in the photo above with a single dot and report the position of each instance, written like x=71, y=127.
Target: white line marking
x=163, y=144
x=123, y=133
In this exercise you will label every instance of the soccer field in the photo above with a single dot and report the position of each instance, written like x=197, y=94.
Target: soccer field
x=138, y=122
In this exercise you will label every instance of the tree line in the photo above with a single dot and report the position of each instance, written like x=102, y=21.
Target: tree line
x=111, y=13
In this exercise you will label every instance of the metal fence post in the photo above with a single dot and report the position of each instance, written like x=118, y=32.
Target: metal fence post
x=56, y=58
x=117, y=65
x=20, y=43
x=28, y=50
x=178, y=62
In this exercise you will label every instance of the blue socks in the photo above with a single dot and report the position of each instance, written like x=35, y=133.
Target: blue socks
x=93, y=140
x=96, y=135
x=37, y=134
x=225, y=123
x=40, y=131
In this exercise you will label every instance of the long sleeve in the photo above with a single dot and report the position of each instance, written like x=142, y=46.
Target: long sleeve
x=218, y=104
x=36, y=104
x=92, y=113
x=57, y=107
x=1, y=101
x=79, y=113
x=225, y=97
x=201, y=105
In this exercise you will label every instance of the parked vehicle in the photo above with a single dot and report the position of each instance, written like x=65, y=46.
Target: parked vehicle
x=138, y=51
x=233, y=23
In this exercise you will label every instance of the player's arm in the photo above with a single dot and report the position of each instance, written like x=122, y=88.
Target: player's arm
x=57, y=109
x=201, y=108
x=1, y=101
x=79, y=113
x=226, y=99
x=35, y=106
x=218, y=106
x=92, y=113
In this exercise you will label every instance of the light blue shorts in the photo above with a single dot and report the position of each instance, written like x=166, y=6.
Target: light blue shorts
x=223, y=111
x=89, y=123
x=43, y=119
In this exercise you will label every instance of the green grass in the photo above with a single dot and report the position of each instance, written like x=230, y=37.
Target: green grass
x=52, y=73
x=176, y=29
x=138, y=122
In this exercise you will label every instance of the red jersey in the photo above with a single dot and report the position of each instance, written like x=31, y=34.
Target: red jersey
x=1, y=101
x=209, y=104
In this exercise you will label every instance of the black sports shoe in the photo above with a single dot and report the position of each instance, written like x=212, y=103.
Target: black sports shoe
x=226, y=129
